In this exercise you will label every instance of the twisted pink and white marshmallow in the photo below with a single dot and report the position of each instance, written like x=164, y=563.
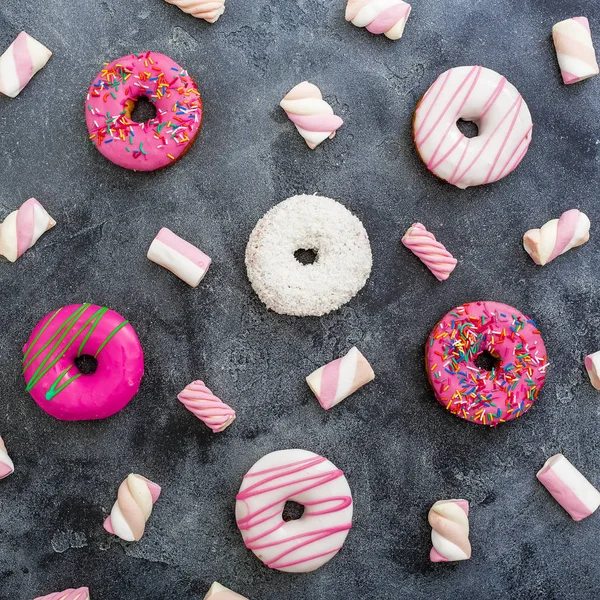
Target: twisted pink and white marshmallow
x=71, y=594
x=21, y=61
x=312, y=116
x=132, y=509
x=575, y=50
x=209, y=10
x=592, y=365
x=23, y=228
x=339, y=379
x=220, y=592
x=431, y=252
x=557, y=236
x=449, y=531
x=379, y=16
x=6, y=464
x=198, y=399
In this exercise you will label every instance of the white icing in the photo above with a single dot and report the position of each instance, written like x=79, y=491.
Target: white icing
x=170, y=259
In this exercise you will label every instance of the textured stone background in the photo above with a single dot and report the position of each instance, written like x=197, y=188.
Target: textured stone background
x=400, y=450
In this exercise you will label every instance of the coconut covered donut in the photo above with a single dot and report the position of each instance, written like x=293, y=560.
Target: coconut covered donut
x=340, y=246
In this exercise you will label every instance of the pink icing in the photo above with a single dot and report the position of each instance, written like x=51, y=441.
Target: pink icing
x=154, y=490
x=189, y=251
x=23, y=62
x=71, y=594
x=388, y=18
x=158, y=142
x=54, y=381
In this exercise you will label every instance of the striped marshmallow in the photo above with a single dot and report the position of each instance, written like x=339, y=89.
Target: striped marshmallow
x=339, y=379
x=209, y=10
x=575, y=50
x=23, y=228
x=592, y=365
x=199, y=400
x=312, y=116
x=449, y=531
x=432, y=253
x=71, y=594
x=220, y=592
x=379, y=16
x=132, y=509
x=21, y=61
x=569, y=487
x=557, y=236
x=178, y=256
x=6, y=464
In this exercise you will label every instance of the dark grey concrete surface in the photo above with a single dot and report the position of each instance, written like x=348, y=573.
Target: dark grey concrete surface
x=399, y=449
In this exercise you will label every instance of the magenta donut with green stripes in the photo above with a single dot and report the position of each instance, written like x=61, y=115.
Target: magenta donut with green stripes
x=54, y=360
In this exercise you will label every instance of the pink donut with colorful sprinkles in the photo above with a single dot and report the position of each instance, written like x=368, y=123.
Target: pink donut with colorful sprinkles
x=508, y=385
x=161, y=140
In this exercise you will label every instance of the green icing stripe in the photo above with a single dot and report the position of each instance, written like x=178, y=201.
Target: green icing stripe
x=37, y=337
x=53, y=391
x=89, y=333
x=110, y=337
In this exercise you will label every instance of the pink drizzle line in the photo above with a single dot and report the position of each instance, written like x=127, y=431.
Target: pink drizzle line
x=269, y=476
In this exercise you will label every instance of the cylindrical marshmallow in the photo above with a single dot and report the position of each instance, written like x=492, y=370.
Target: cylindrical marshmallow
x=70, y=594
x=209, y=10
x=21, y=61
x=575, y=50
x=569, y=487
x=338, y=379
x=178, y=256
x=199, y=400
x=6, y=464
x=132, y=509
x=557, y=236
x=220, y=592
x=449, y=531
x=431, y=252
x=379, y=16
x=23, y=228
x=592, y=365
x=312, y=116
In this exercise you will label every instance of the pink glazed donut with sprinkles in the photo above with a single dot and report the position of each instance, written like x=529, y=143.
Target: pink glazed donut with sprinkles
x=161, y=140
x=304, y=544
x=511, y=344
x=485, y=98
x=59, y=345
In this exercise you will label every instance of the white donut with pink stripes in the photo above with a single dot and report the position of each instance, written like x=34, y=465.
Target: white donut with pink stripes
x=485, y=98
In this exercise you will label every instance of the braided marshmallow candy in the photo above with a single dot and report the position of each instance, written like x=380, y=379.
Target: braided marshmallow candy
x=21, y=61
x=431, y=252
x=592, y=365
x=132, y=509
x=220, y=592
x=575, y=50
x=180, y=257
x=198, y=399
x=449, y=531
x=313, y=117
x=6, y=464
x=557, y=236
x=23, y=228
x=209, y=10
x=339, y=379
x=379, y=16
x=71, y=594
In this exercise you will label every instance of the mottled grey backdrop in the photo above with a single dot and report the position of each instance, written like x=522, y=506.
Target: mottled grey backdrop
x=400, y=450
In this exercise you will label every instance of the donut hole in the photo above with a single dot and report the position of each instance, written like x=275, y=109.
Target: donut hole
x=292, y=511
x=486, y=361
x=86, y=364
x=468, y=128
x=306, y=256
x=140, y=110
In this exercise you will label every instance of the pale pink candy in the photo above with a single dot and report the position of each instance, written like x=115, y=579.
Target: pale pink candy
x=199, y=400
x=575, y=49
x=178, y=256
x=379, y=16
x=21, y=61
x=70, y=594
x=557, y=236
x=209, y=10
x=6, y=464
x=592, y=365
x=23, y=228
x=569, y=487
x=220, y=592
x=313, y=117
x=431, y=252
x=340, y=378
x=449, y=531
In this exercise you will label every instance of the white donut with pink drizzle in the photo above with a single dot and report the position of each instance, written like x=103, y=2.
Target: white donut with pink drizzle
x=303, y=544
x=485, y=98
